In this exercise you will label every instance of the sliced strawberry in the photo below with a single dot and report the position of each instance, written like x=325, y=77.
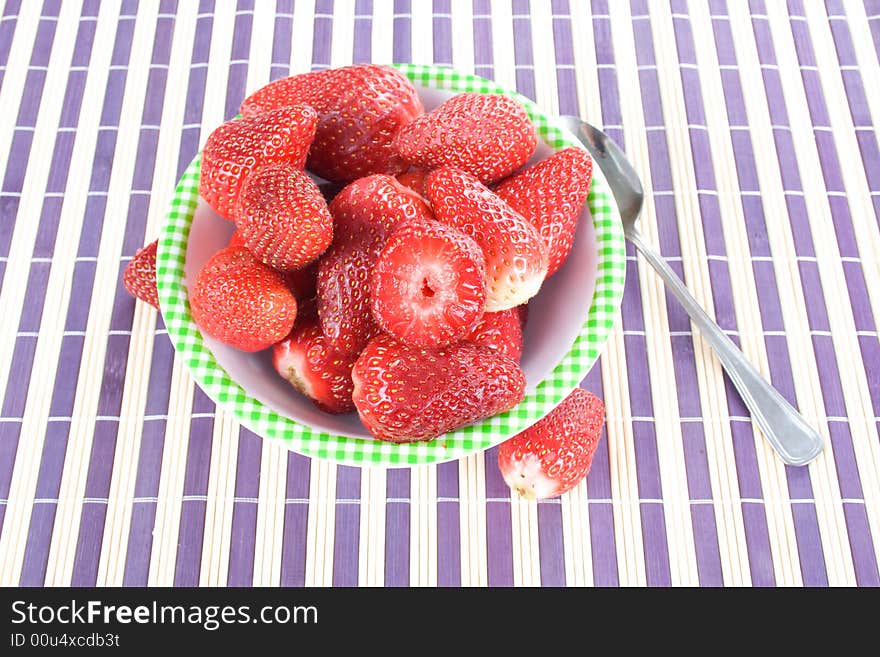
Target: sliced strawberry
x=414, y=178
x=405, y=393
x=551, y=194
x=282, y=217
x=500, y=331
x=487, y=135
x=240, y=146
x=364, y=213
x=361, y=108
x=242, y=302
x=376, y=204
x=516, y=258
x=309, y=364
x=428, y=287
x=553, y=455
x=139, y=277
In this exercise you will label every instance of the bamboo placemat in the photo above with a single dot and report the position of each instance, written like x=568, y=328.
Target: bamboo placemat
x=754, y=127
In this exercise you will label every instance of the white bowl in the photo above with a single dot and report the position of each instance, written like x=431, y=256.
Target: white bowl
x=556, y=313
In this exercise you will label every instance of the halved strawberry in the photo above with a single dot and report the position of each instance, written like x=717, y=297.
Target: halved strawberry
x=500, y=331
x=139, y=277
x=360, y=109
x=242, y=302
x=428, y=287
x=404, y=393
x=364, y=213
x=240, y=146
x=311, y=366
x=282, y=217
x=551, y=195
x=487, y=135
x=516, y=258
x=553, y=455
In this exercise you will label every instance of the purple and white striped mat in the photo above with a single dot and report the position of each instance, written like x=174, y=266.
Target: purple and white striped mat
x=754, y=129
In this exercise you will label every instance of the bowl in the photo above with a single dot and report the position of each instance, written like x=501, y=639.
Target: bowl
x=569, y=320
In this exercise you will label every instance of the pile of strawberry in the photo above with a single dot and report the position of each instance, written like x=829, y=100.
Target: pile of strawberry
x=395, y=288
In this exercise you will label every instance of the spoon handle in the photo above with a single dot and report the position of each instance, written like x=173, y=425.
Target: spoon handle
x=795, y=441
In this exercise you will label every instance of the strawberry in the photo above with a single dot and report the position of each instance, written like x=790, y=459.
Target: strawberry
x=553, y=455
x=139, y=277
x=500, y=331
x=242, y=302
x=487, y=135
x=414, y=178
x=428, y=286
x=375, y=203
x=240, y=146
x=551, y=195
x=360, y=108
x=516, y=258
x=343, y=293
x=404, y=393
x=282, y=217
x=301, y=88
x=313, y=368
x=364, y=213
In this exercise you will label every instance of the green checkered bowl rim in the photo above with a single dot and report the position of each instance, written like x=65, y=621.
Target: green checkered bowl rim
x=262, y=420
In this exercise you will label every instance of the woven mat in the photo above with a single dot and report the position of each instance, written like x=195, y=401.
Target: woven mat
x=754, y=129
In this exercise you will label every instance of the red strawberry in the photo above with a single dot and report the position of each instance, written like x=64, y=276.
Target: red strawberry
x=240, y=146
x=405, y=393
x=139, y=277
x=364, y=213
x=414, y=178
x=487, y=135
x=302, y=88
x=551, y=194
x=242, y=302
x=344, y=294
x=313, y=368
x=360, y=109
x=302, y=283
x=516, y=258
x=428, y=286
x=553, y=455
x=500, y=331
x=375, y=203
x=282, y=217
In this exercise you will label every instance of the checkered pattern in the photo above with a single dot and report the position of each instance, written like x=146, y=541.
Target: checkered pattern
x=264, y=421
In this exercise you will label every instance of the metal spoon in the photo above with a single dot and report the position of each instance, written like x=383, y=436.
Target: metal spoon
x=796, y=442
